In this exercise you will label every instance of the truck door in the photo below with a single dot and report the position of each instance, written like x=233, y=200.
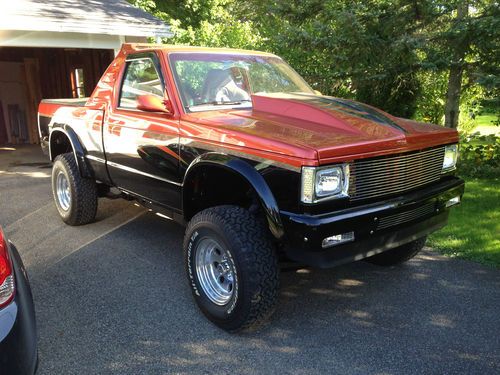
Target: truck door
x=142, y=146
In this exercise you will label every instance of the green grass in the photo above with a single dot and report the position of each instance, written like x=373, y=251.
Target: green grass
x=473, y=230
x=484, y=124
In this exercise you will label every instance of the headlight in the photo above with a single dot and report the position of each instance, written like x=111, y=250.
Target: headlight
x=328, y=182
x=324, y=183
x=450, y=158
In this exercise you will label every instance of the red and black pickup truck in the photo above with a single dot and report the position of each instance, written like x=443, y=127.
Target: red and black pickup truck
x=259, y=167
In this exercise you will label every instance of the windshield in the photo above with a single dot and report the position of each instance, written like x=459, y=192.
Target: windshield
x=209, y=81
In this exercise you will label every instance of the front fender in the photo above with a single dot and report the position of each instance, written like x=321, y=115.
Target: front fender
x=254, y=178
x=79, y=150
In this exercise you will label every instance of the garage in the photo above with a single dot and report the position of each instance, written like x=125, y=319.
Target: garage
x=59, y=49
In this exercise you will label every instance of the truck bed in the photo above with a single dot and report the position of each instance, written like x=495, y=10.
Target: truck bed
x=47, y=109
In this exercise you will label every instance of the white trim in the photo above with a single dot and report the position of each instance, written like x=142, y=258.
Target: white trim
x=16, y=38
x=95, y=158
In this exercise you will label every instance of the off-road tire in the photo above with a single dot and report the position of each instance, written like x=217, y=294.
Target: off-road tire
x=399, y=254
x=254, y=259
x=83, y=205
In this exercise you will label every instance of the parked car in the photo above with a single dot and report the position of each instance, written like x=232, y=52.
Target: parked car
x=238, y=147
x=18, y=340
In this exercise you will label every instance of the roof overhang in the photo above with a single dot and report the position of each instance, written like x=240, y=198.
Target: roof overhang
x=82, y=17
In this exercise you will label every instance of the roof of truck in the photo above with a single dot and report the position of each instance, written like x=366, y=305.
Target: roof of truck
x=141, y=47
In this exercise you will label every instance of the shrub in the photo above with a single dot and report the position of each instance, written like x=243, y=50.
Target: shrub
x=479, y=155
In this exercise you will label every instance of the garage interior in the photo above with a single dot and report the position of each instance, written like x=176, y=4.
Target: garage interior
x=28, y=74
x=59, y=49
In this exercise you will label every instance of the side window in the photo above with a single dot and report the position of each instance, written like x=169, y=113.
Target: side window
x=141, y=78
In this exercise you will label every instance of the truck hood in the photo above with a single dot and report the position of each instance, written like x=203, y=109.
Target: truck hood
x=319, y=127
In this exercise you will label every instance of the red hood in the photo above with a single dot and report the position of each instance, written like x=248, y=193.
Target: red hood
x=316, y=127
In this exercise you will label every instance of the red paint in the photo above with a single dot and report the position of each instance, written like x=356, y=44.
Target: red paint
x=284, y=128
x=5, y=265
x=151, y=103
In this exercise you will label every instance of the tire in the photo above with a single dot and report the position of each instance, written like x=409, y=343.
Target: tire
x=249, y=259
x=399, y=254
x=78, y=203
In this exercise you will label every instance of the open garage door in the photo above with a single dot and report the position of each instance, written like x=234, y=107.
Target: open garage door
x=29, y=74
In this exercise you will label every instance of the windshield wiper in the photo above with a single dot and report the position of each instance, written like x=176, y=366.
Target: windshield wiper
x=227, y=102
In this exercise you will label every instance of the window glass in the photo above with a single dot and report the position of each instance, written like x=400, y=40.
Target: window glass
x=141, y=78
x=207, y=81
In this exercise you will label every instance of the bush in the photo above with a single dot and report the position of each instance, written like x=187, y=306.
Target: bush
x=479, y=155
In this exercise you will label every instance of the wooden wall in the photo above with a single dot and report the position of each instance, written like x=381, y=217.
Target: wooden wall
x=48, y=73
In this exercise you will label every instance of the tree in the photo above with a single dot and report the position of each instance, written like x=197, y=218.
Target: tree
x=460, y=49
x=388, y=53
x=355, y=48
x=462, y=38
x=210, y=23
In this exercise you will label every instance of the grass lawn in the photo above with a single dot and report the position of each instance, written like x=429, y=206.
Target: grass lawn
x=484, y=124
x=473, y=231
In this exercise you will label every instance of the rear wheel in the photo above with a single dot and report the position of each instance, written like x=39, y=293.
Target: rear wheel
x=399, y=254
x=75, y=197
x=232, y=267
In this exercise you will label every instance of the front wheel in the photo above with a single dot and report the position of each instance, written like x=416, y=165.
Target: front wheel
x=399, y=254
x=232, y=267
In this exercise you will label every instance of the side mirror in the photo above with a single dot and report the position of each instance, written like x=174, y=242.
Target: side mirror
x=317, y=92
x=152, y=103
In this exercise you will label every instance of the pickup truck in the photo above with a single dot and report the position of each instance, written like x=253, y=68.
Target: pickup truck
x=258, y=166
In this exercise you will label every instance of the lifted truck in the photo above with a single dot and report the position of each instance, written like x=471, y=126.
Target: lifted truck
x=260, y=167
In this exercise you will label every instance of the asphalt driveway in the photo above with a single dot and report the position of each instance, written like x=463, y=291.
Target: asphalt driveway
x=112, y=298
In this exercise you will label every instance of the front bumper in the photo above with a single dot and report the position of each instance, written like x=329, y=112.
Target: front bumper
x=18, y=340
x=377, y=227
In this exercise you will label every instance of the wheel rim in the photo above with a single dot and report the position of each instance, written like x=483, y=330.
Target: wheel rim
x=215, y=271
x=63, y=191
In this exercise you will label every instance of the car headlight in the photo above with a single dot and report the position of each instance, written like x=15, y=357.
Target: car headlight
x=450, y=158
x=320, y=184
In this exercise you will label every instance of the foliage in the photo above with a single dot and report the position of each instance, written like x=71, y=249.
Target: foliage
x=356, y=49
x=210, y=23
x=479, y=156
x=431, y=100
x=470, y=107
x=394, y=54
x=472, y=231
x=430, y=103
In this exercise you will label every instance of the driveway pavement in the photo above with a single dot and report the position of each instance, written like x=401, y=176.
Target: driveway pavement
x=112, y=298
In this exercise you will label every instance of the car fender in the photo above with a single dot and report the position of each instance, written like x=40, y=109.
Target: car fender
x=78, y=149
x=252, y=176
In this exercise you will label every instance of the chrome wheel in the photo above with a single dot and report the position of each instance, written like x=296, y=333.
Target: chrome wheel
x=215, y=271
x=63, y=191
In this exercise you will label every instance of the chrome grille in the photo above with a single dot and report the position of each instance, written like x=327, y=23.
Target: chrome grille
x=394, y=174
x=406, y=216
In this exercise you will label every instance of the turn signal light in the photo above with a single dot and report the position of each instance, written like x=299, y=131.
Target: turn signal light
x=337, y=239
x=452, y=201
